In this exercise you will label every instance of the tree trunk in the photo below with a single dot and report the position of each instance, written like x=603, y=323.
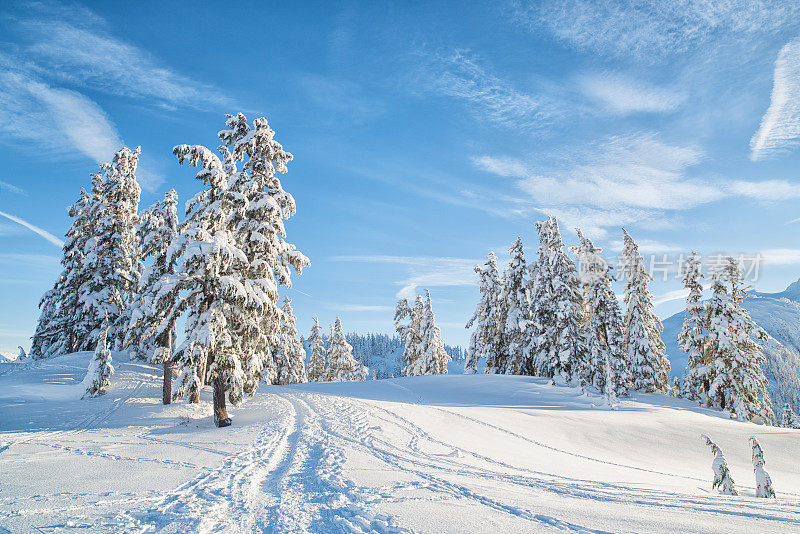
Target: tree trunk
x=194, y=396
x=166, y=387
x=220, y=410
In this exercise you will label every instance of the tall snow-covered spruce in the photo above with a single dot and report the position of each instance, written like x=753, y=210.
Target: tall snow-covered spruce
x=514, y=295
x=234, y=255
x=289, y=354
x=434, y=357
x=693, y=335
x=111, y=265
x=607, y=367
x=486, y=340
x=100, y=261
x=316, y=360
x=644, y=349
x=151, y=329
x=409, y=331
x=423, y=350
x=556, y=341
x=738, y=382
x=342, y=367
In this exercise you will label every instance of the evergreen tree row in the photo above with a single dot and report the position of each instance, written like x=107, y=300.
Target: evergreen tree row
x=547, y=319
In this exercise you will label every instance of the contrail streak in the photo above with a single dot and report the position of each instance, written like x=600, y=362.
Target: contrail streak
x=44, y=233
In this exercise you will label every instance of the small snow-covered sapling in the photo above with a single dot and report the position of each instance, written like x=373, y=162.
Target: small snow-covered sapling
x=723, y=481
x=763, y=481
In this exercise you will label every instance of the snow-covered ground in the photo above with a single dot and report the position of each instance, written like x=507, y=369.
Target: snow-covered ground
x=429, y=454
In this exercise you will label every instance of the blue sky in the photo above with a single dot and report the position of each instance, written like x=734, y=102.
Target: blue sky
x=424, y=134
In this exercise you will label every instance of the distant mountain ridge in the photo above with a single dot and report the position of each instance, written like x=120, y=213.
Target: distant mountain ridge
x=779, y=315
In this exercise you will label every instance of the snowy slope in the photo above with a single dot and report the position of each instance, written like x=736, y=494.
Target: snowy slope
x=428, y=454
x=779, y=315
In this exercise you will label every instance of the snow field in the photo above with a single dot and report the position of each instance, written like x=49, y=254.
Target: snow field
x=427, y=454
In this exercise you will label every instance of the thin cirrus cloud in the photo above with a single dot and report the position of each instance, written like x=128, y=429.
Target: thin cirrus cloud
x=780, y=256
x=5, y=186
x=779, y=130
x=464, y=77
x=653, y=29
x=423, y=271
x=619, y=94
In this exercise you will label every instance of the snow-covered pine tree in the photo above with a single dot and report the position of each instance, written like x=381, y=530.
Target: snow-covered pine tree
x=763, y=480
x=111, y=268
x=603, y=321
x=47, y=328
x=433, y=359
x=486, y=341
x=59, y=327
x=739, y=384
x=316, y=360
x=692, y=338
x=289, y=354
x=98, y=376
x=514, y=296
x=677, y=388
x=789, y=419
x=410, y=333
x=261, y=205
x=234, y=258
x=723, y=481
x=558, y=340
x=342, y=367
x=645, y=351
x=207, y=274
x=152, y=313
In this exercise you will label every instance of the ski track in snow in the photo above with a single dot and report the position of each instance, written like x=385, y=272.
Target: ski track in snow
x=288, y=480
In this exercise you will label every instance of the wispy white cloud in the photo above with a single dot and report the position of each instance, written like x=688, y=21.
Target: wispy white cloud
x=621, y=180
x=765, y=190
x=465, y=77
x=781, y=256
x=81, y=50
x=656, y=28
x=424, y=271
x=5, y=186
x=32, y=110
x=39, y=231
x=634, y=179
x=359, y=308
x=669, y=296
x=342, y=99
x=647, y=246
x=622, y=95
x=780, y=126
